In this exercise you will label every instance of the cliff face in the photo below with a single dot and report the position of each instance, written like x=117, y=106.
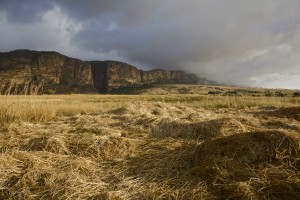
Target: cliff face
x=111, y=74
x=164, y=76
x=122, y=75
x=23, y=68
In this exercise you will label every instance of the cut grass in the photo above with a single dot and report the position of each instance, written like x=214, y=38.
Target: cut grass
x=149, y=147
x=48, y=107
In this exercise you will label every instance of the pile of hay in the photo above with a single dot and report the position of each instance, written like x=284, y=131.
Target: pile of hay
x=152, y=151
x=101, y=147
x=44, y=175
x=53, y=161
x=290, y=113
x=251, y=165
x=201, y=130
x=164, y=170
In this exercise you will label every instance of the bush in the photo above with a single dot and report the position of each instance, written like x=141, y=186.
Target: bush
x=231, y=93
x=296, y=94
x=50, y=91
x=214, y=92
x=268, y=93
x=280, y=94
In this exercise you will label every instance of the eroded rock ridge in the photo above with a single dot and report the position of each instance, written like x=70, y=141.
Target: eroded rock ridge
x=25, y=71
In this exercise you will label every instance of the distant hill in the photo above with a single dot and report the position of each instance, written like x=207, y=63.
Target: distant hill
x=26, y=71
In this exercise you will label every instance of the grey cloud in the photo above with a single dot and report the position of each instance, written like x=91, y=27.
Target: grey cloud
x=200, y=30
x=49, y=33
x=19, y=11
x=232, y=41
x=127, y=12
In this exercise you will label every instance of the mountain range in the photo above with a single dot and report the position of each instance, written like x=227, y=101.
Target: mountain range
x=27, y=72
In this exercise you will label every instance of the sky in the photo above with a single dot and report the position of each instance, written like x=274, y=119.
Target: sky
x=239, y=42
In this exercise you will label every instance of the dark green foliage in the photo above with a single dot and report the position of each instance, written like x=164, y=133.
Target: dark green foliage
x=214, y=92
x=268, y=93
x=280, y=94
x=50, y=91
x=296, y=94
x=231, y=93
x=133, y=90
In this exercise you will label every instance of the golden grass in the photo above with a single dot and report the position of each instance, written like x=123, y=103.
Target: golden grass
x=45, y=108
x=149, y=147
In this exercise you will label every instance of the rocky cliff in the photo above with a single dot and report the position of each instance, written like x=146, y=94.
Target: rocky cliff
x=111, y=74
x=24, y=71
x=108, y=75
x=164, y=76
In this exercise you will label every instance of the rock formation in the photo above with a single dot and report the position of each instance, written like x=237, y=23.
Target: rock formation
x=27, y=70
x=108, y=75
x=164, y=76
x=111, y=74
x=38, y=71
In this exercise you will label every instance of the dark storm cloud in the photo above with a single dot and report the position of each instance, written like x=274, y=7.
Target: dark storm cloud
x=127, y=12
x=233, y=41
x=20, y=11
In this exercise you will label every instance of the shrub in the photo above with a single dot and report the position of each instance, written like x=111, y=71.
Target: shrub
x=268, y=93
x=296, y=94
x=50, y=91
x=231, y=93
x=214, y=92
x=280, y=94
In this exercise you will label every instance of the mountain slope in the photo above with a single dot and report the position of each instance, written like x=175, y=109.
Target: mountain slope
x=25, y=71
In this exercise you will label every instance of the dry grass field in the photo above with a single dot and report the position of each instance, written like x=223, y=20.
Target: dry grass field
x=174, y=146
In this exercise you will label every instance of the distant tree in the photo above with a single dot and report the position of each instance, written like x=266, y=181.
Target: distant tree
x=50, y=91
x=279, y=93
x=296, y=94
x=268, y=93
x=214, y=92
x=231, y=93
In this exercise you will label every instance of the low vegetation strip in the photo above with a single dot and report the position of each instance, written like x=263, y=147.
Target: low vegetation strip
x=47, y=107
x=149, y=147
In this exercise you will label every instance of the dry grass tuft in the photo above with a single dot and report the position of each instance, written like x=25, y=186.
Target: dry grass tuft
x=197, y=130
x=44, y=175
x=163, y=171
x=250, y=149
x=292, y=112
x=160, y=147
x=101, y=147
x=51, y=144
x=244, y=165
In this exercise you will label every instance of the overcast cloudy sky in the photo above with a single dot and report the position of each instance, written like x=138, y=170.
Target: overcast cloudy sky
x=245, y=42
